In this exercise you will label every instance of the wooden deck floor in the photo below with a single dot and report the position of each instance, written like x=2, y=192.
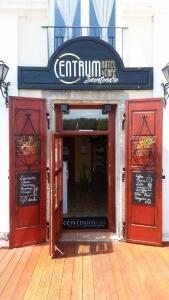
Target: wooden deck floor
x=89, y=271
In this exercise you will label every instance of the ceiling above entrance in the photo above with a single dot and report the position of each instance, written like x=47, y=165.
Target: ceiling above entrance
x=85, y=63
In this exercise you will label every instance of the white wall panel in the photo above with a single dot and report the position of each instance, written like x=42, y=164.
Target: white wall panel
x=9, y=54
x=33, y=43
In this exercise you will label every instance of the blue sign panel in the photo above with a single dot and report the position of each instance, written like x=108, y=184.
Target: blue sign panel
x=85, y=63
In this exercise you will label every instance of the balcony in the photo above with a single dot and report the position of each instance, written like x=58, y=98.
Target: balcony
x=57, y=35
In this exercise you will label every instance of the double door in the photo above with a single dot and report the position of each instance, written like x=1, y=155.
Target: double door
x=143, y=204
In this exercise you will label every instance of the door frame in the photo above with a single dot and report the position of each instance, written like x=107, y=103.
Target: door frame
x=56, y=191
x=110, y=133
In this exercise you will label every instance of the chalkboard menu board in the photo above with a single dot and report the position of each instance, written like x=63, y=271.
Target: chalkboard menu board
x=144, y=187
x=28, y=188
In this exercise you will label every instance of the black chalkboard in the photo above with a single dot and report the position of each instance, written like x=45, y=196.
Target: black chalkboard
x=144, y=187
x=28, y=188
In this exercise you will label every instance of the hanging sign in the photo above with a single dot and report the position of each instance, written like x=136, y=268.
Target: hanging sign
x=85, y=63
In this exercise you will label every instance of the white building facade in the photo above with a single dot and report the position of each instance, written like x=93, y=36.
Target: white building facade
x=27, y=40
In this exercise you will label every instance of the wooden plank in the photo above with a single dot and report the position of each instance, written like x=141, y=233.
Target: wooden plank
x=88, y=271
x=3, y=252
x=129, y=270
x=162, y=261
x=140, y=270
x=45, y=282
x=108, y=277
x=54, y=289
x=17, y=272
x=10, y=267
x=151, y=285
x=66, y=284
x=6, y=260
x=88, y=288
x=37, y=274
x=26, y=275
x=164, y=252
x=123, y=291
x=159, y=276
x=77, y=279
x=98, y=280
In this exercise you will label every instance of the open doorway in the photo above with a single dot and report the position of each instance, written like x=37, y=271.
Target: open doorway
x=88, y=143
x=86, y=159
x=85, y=199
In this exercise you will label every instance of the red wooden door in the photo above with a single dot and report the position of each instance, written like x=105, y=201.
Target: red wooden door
x=27, y=129
x=144, y=171
x=56, y=191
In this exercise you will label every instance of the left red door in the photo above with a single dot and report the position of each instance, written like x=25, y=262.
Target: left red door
x=56, y=192
x=27, y=136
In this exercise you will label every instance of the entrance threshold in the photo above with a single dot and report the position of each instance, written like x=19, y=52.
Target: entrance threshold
x=87, y=236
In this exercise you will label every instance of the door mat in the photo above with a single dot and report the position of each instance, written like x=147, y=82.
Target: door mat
x=85, y=223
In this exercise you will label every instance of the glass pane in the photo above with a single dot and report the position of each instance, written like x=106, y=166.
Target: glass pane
x=61, y=32
x=85, y=119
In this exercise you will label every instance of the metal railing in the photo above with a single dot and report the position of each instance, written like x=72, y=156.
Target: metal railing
x=109, y=34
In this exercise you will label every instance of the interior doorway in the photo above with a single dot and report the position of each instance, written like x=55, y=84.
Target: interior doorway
x=86, y=162
x=88, y=153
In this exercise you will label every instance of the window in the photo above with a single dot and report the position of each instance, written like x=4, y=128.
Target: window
x=67, y=20
x=85, y=119
x=72, y=16
x=102, y=16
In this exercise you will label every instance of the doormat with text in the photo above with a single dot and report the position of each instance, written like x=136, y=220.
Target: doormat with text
x=85, y=223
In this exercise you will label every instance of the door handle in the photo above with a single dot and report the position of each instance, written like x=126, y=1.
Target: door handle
x=123, y=175
x=48, y=174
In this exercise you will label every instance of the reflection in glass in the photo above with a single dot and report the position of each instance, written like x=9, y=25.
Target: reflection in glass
x=85, y=119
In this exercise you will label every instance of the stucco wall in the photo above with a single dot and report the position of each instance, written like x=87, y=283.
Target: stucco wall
x=160, y=58
x=16, y=37
x=8, y=53
x=32, y=41
x=138, y=42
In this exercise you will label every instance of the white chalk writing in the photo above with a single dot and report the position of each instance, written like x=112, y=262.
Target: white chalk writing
x=143, y=187
x=28, y=188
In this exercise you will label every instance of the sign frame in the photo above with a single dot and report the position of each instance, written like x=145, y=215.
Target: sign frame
x=85, y=50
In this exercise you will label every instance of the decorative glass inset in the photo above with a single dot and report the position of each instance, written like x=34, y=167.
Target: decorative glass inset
x=27, y=144
x=144, y=145
x=27, y=138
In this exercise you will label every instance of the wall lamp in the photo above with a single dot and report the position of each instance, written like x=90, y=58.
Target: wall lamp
x=165, y=86
x=4, y=85
x=64, y=108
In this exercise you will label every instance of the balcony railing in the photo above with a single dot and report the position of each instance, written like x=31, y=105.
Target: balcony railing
x=60, y=34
